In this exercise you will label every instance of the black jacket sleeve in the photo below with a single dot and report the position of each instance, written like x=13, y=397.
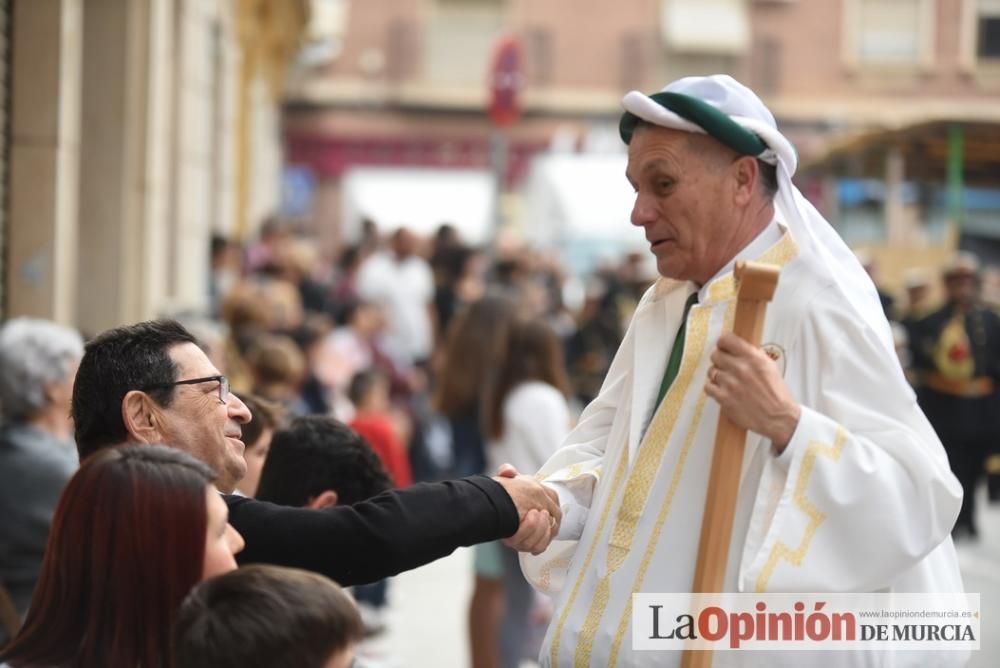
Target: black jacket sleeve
x=385, y=535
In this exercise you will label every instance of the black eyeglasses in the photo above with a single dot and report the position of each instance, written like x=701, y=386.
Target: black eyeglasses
x=221, y=380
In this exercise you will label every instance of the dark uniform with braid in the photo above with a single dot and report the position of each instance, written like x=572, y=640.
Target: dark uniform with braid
x=956, y=356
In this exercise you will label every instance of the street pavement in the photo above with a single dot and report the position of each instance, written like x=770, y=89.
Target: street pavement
x=980, y=562
x=427, y=618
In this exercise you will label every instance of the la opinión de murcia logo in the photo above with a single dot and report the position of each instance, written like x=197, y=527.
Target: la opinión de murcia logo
x=809, y=621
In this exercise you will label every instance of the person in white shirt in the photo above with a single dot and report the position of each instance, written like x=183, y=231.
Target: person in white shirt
x=403, y=284
x=526, y=417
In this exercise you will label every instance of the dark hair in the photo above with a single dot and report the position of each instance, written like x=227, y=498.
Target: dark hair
x=768, y=178
x=264, y=414
x=219, y=244
x=362, y=383
x=265, y=616
x=534, y=352
x=127, y=544
x=473, y=350
x=350, y=308
x=349, y=257
x=314, y=329
x=116, y=362
x=445, y=232
x=450, y=262
x=314, y=454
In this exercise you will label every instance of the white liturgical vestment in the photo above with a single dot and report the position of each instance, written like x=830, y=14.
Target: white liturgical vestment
x=861, y=500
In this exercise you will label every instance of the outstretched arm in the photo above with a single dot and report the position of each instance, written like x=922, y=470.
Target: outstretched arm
x=392, y=532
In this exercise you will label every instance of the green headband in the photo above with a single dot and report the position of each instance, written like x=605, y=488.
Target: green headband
x=705, y=116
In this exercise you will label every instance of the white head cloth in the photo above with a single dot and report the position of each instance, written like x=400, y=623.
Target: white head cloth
x=812, y=233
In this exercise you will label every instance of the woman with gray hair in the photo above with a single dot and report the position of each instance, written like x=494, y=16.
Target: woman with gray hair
x=38, y=362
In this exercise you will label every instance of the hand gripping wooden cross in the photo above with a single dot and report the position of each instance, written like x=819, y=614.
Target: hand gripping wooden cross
x=756, y=284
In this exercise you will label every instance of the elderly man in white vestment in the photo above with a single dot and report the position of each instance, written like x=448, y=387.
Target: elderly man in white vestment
x=845, y=487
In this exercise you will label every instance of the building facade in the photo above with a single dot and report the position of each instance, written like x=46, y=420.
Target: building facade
x=407, y=82
x=138, y=128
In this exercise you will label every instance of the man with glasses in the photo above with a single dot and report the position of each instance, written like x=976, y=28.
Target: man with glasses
x=151, y=383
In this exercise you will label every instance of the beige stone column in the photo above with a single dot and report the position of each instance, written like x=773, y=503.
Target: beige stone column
x=124, y=160
x=203, y=169
x=265, y=174
x=227, y=120
x=151, y=183
x=44, y=159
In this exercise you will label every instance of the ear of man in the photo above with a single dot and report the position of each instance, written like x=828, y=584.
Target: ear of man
x=142, y=418
x=325, y=499
x=746, y=175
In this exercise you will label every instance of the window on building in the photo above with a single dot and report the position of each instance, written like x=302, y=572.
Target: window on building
x=766, y=65
x=702, y=37
x=401, y=50
x=325, y=32
x=460, y=40
x=705, y=26
x=633, y=61
x=988, y=30
x=890, y=32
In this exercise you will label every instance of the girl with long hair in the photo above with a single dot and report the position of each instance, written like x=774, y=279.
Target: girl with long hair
x=136, y=528
x=527, y=418
x=472, y=355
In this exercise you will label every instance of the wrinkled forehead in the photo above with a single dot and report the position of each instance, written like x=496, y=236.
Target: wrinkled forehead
x=653, y=140
x=653, y=145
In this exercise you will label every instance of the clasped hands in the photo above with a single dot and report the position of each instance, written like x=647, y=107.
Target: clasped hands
x=751, y=392
x=537, y=509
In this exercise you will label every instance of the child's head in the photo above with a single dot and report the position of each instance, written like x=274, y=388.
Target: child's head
x=369, y=392
x=278, y=367
x=318, y=461
x=257, y=435
x=365, y=317
x=267, y=616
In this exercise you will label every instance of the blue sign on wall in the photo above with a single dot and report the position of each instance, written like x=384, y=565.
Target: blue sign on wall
x=297, y=190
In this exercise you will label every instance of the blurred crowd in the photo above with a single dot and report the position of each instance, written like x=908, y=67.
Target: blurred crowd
x=389, y=303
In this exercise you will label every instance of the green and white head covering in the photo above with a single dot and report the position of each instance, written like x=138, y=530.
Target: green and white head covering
x=725, y=109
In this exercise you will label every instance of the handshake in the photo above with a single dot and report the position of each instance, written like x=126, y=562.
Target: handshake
x=537, y=509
